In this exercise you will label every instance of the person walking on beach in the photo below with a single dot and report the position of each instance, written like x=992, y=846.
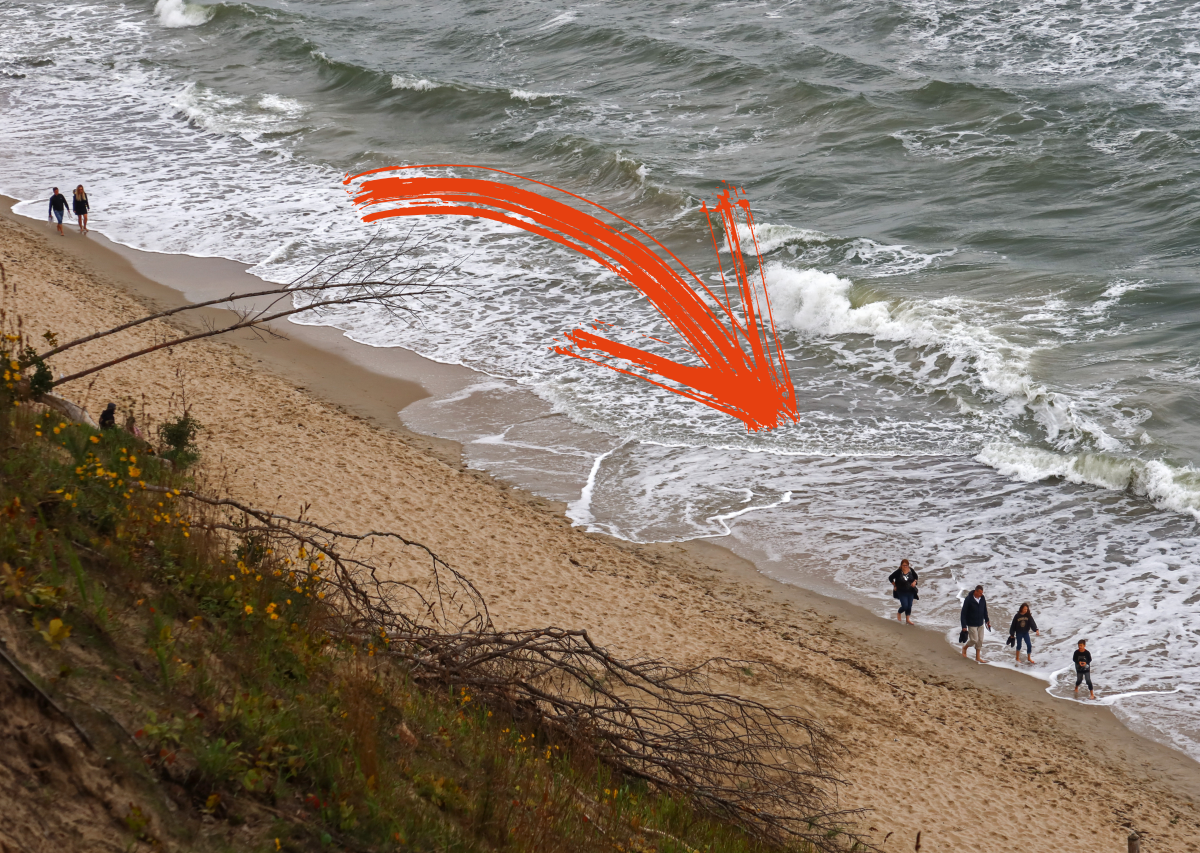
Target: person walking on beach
x=58, y=206
x=904, y=589
x=1021, y=625
x=1083, y=668
x=80, y=205
x=973, y=617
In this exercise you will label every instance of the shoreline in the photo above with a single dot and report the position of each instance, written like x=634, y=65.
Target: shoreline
x=174, y=280
x=344, y=377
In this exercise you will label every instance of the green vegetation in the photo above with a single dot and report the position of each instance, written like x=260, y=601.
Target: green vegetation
x=214, y=653
x=179, y=440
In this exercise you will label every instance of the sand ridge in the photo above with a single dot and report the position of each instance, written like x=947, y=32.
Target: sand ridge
x=972, y=757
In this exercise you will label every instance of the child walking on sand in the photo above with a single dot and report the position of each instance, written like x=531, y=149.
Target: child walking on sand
x=1021, y=625
x=1083, y=668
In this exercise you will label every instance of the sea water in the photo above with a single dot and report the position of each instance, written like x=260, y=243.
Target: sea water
x=979, y=225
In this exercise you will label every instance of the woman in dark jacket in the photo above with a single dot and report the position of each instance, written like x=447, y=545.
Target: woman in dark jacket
x=81, y=207
x=1021, y=625
x=904, y=588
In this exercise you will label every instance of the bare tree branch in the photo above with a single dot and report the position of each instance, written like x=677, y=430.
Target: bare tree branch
x=734, y=758
x=361, y=277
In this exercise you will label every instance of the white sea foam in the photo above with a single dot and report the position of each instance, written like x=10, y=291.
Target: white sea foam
x=1128, y=47
x=771, y=237
x=234, y=115
x=815, y=248
x=280, y=104
x=529, y=97
x=821, y=305
x=1168, y=487
x=417, y=84
x=1112, y=295
x=176, y=14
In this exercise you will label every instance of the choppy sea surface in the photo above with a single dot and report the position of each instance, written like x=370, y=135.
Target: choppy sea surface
x=979, y=223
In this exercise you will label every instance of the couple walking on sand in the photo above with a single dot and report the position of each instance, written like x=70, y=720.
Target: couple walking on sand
x=974, y=617
x=79, y=205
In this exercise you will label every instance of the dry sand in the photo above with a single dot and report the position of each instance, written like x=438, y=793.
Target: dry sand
x=975, y=758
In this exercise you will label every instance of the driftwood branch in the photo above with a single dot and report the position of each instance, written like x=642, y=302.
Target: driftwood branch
x=388, y=280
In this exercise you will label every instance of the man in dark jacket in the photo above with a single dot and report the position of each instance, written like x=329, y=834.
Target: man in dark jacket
x=973, y=617
x=58, y=206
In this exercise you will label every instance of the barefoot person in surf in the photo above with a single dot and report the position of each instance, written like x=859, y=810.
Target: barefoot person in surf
x=81, y=207
x=58, y=207
x=1021, y=625
x=973, y=617
x=904, y=590
x=1083, y=668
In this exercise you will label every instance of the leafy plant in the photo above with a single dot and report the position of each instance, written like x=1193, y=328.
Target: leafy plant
x=55, y=633
x=179, y=436
x=42, y=379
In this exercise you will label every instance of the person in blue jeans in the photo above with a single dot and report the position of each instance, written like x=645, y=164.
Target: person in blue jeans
x=1083, y=668
x=58, y=206
x=1021, y=625
x=904, y=590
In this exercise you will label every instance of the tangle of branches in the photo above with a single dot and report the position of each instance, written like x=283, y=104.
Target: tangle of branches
x=734, y=758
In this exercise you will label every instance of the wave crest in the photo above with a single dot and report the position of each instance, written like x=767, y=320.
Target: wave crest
x=176, y=14
x=1166, y=486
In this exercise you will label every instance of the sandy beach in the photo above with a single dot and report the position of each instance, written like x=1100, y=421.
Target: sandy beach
x=971, y=757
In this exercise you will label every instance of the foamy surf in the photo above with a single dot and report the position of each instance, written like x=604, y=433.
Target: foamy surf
x=955, y=351
x=867, y=257
x=416, y=84
x=175, y=14
x=1168, y=487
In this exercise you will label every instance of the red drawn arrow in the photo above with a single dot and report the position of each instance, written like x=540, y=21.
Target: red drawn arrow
x=741, y=369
